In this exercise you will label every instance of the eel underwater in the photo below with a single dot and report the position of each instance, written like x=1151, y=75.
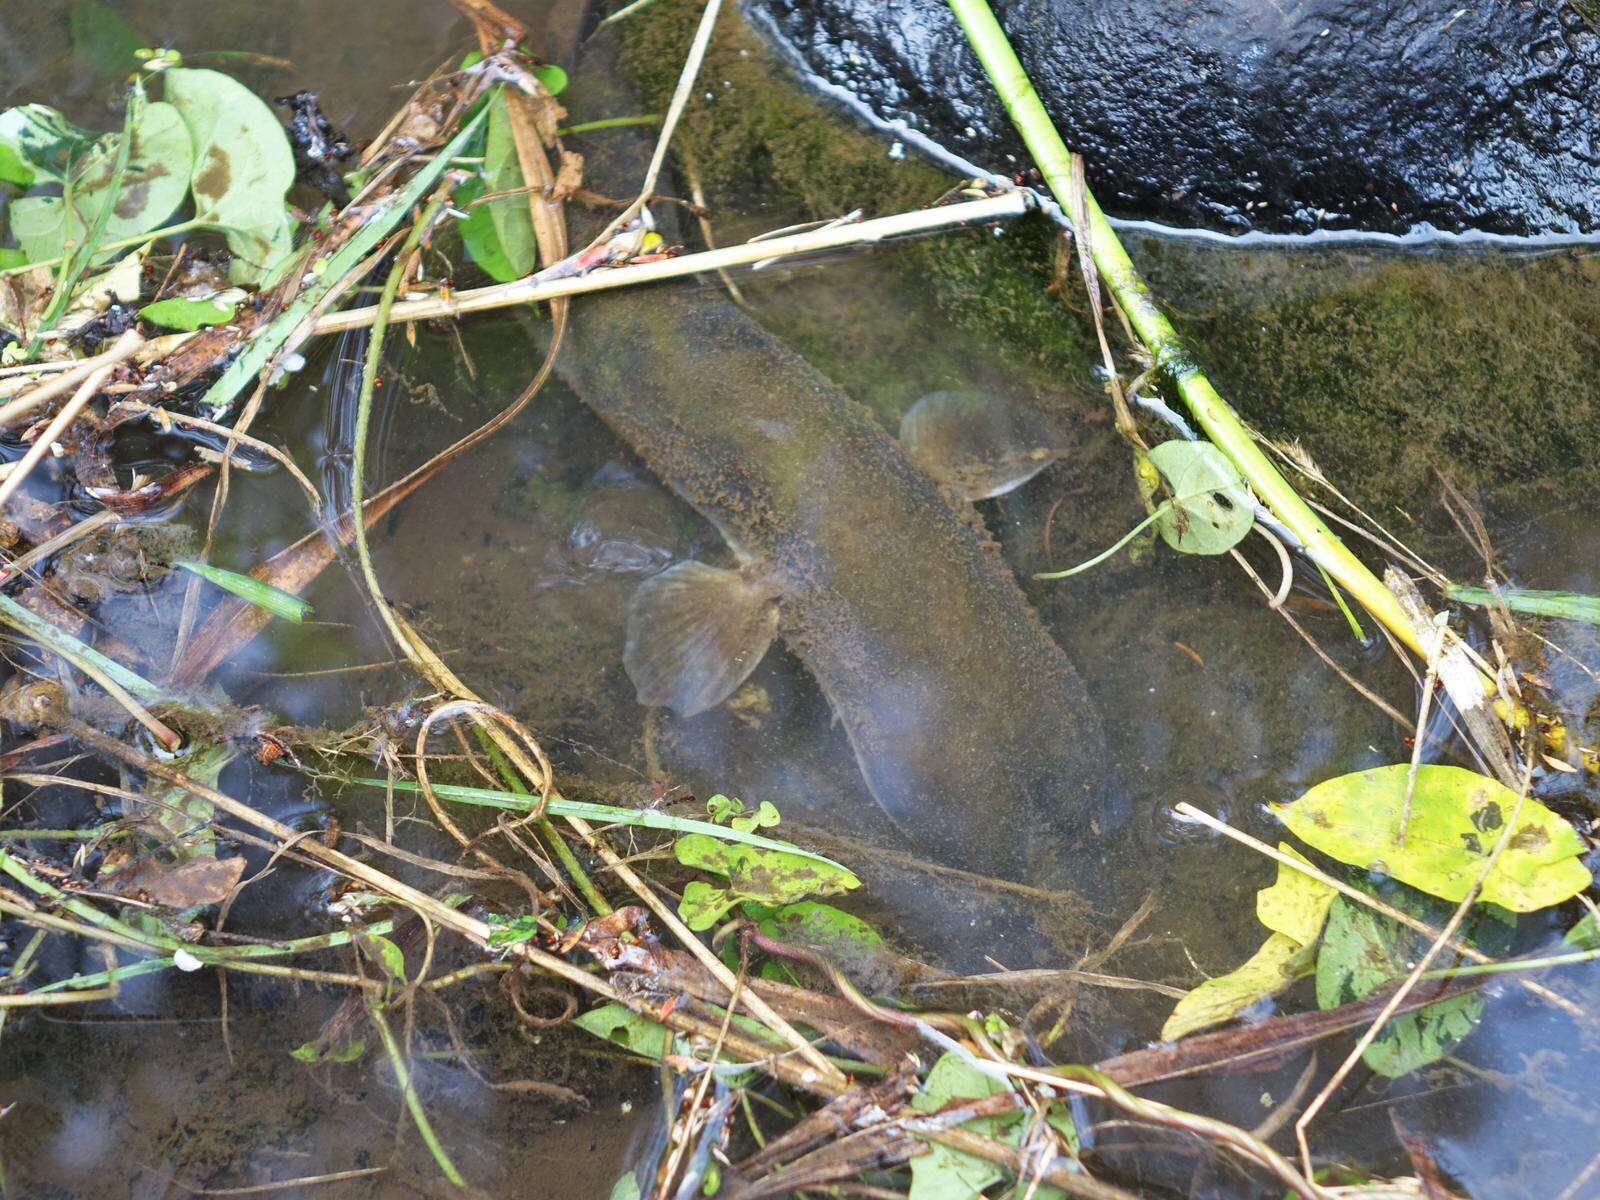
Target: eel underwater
x=970, y=726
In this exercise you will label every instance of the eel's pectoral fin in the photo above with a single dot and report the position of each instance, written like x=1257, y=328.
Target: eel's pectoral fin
x=984, y=446
x=695, y=633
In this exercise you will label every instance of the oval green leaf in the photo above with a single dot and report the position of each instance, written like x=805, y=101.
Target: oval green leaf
x=1211, y=511
x=263, y=595
x=187, y=314
x=1456, y=818
x=243, y=167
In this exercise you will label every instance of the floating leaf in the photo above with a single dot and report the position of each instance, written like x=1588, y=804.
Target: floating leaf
x=765, y=876
x=1210, y=511
x=626, y=1188
x=619, y=1024
x=1280, y=961
x=1296, y=905
x=263, y=595
x=764, y=817
x=243, y=167
x=188, y=314
x=1363, y=949
x=1456, y=818
x=153, y=184
x=1573, y=606
x=943, y=1173
x=703, y=906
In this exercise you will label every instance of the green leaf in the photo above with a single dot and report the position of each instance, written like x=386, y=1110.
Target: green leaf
x=10, y=256
x=722, y=809
x=347, y=1053
x=553, y=78
x=187, y=315
x=1363, y=949
x=943, y=1173
x=1585, y=935
x=243, y=167
x=179, y=811
x=263, y=595
x=385, y=953
x=612, y=814
x=616, y=1023
x=1280, y=961
x=44, y=140
x=508, y=931
x=1456, y=818
x=479, y=236
x=830, y=931
x=1573, y=606
x=1296, y=905
x=513, y=250
x=305, y=1052
x=626, y=1188
x=153, y=185
x=703, y=906
x=764, y=817
x=766, y=876
x=1211, y=511
x=13, y=169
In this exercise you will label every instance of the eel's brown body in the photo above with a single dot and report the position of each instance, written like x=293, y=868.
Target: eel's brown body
x=970, y=726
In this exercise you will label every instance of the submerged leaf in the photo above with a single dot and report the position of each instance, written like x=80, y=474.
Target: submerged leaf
x=176, y=885
x=263, y=595
x=616, y=1023
x=984, y=445
x=1280, y=961
x=243, y=167
x=1572, y=606
x=1211, y=510
x=499, y=232
x=830, y=931
x=1363, y=949
x=943, y=1173
x=1456, y=818
x=703, y=906
x=765, y=876
x=1296, y=905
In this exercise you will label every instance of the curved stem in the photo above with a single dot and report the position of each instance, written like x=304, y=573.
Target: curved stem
x=1156, y=514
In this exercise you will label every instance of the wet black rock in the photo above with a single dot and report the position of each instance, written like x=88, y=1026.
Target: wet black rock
x=1282, y=115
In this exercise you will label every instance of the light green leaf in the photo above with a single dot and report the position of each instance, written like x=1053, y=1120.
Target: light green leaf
x=830, y=931
x=943, y=1173
x=153, y=185
x=765, y=876
x=703, y=906
x=10, y=256
x=552, y=76
x=347, y=1053
x=764, y=817
x=178, y=811
x=721, y=808
x=1280, y=961
x=305, y=1052
x=1210, y=511
x=1585, y=935
x=1296, y=905
x=187, y=314
x=1573, y=606
x=243, y=166
x=626, y=1188
x=13, y=169
x=479, y=236
x=45, y=140
x=263, y=595
x=1363, y=949
x=1456, y=818
x=385, y=953
x=616, y=1023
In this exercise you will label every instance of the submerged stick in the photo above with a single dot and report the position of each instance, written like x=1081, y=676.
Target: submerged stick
x=533, y=289
x=1122, y=278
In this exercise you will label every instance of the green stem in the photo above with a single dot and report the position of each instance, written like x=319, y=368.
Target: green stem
x=1519, y=964
x=1155, y=515
x=1122, y=279
x=397, y=1061
x=609, y=123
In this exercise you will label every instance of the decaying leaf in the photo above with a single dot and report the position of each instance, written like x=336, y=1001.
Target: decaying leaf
x=1456, y=818
x=763, y=876
x=176, y=885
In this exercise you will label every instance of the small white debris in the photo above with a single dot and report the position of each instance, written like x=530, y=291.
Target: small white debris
x=185, y=961
x=1325, y=33
x=897, y=151
x=290, y=363
x=626, y=1107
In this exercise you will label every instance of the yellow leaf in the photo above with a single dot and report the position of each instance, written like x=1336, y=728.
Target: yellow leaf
x=1296, y=905
x=1280, y=961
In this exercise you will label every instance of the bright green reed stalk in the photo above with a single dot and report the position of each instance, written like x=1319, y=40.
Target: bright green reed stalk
x=1220, y=422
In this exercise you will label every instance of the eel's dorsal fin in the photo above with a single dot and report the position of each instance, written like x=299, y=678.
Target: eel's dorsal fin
x=695, y=633
x=984, y=446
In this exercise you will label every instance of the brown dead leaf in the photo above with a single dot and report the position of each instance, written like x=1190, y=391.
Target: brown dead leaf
x=200, y=881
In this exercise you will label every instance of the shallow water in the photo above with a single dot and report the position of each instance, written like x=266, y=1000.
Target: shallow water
x=518, y=564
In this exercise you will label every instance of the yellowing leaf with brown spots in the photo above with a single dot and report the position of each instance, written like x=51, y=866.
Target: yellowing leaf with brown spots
x=1457, y=816
x=1280, y=961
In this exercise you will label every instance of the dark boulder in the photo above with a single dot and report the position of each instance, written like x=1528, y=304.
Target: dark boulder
x=1281, y=115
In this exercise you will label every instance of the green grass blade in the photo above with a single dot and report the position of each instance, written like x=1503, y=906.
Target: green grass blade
x=1573, y=606
x=263, y=595
x=606, y=813
x=75, y=651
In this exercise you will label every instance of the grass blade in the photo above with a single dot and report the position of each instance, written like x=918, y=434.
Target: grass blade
x=263, y=595
x=1573, y=606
